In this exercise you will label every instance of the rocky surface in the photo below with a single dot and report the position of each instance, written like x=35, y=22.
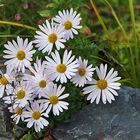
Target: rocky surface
x=117, y=121
x=5, y=126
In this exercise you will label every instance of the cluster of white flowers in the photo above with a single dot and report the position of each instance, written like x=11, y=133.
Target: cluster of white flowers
x=32, y=91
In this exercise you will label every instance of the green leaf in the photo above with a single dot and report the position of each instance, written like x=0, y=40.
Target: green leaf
x=44, y=13
x=27, y=137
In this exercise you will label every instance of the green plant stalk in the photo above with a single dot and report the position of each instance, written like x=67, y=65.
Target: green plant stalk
x=98, y=58
x=119, y=23
x=100, y=18
x=134, y=29
x=124, y=32
x=135, y=35
x=3, y=36
x=117, y=19
x=17, y=24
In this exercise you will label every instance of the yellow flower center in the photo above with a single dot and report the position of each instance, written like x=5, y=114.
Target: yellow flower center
x=42, y=84
x=68, y=25
x=61, y=68
x=52, y=38
x=20, y=55
x=21, y=94
x=102, y=84
x=19, y=111
x=82, y=71
x=53, y=100
x=4, y=81
x=36, y=115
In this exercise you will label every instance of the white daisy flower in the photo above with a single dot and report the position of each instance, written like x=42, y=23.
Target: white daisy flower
x=5, y=82
x=49, y=36
x=53, y=99
x=23, y=94
x=40, y=80
x=20, y=96
x=39, y=66
x=18, y=114
x=35, y=116
x=70, y=20
x=61, y=70
x=20, y=54
x=105, y=86
x=83, y=74
x=10, y=98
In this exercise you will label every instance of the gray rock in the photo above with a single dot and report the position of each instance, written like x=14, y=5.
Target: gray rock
x=117, y=121
x=5, y=123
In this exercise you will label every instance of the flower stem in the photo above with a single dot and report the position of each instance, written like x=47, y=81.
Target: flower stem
x=100, y=18
x=134, y=29
x=117, y=19
x=17, y=24
x=125, y=35
x=135, y=55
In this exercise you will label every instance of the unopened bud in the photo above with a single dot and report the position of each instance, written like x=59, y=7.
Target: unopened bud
x=17, y=17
